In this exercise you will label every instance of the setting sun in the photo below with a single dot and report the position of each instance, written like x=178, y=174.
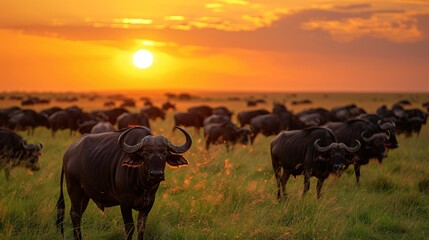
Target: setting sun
x=143, y=59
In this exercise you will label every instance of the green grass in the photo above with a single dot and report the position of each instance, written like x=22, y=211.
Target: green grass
x=232, y=195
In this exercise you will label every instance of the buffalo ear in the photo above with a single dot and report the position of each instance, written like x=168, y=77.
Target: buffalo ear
x=321, y=158
x=176, y=160
x=132, y=161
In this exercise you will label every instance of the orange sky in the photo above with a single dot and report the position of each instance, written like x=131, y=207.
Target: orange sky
x=265, y=45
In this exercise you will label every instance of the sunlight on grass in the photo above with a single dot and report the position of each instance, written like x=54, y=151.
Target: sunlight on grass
x=232, y=195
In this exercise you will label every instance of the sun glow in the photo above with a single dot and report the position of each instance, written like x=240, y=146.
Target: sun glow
x=143, y=59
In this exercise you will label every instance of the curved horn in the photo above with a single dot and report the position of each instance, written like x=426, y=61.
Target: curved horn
x=375, y=135
x=326, y=148
x=39, y=146
x=27, y=146
x=386, y=134
x=352, y=149
x=416, y=119
x=127, y=148
x=184, y=147
x=365, y=138
x=387, y=125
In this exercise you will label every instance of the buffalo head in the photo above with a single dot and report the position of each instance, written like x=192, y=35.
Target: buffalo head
x=376, y=144
x=29, y=158
x=152, y=153
x=336, y=153
x=244, y=135
x=389, y=126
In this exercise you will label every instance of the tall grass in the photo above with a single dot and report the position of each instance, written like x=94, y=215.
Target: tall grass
x=232, y=195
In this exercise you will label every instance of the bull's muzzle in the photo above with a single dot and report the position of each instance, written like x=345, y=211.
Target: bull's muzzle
x=157, y=175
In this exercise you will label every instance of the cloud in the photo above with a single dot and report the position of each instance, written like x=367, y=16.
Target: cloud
x=354, y=6
x=377, y=33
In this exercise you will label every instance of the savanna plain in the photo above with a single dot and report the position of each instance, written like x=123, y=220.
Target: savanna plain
x=232, y=195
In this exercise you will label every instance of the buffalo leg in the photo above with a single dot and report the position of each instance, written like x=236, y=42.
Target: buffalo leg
x=207, y=143
x=319, y=186
x=357, y=172
x=79, y=202
x=283, y=182
x=141, y=224
x=307, y=175
x=252, y=138
x=277, y=174
x=127, y=216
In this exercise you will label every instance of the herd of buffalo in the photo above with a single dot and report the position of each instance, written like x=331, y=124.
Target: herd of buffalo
x=118, y=161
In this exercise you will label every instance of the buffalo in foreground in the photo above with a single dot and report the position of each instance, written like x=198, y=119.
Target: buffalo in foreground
x=117, y=168
x=14, y=152
x=312, y=152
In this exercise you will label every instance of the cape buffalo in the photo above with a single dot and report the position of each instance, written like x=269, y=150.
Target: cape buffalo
x=68, y=118
x=126, y=119
x=373, y=140
x=49, y=111
x=14, y=152
x=112, y=114
x=122, y=168
x=216, y=118
x=203, y=110
x=312, y=151
x=168, y=105
x=153, y=112
x=189, y=119
x=227, y=132
x=27, y=120
x=102, y=127
x=246, y=116
x=86, y=127
x=269, y=124
x=383, y=125
x=222, y=111
x=345, y=113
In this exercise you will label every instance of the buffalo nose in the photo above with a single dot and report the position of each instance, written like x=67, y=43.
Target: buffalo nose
x=158, y=174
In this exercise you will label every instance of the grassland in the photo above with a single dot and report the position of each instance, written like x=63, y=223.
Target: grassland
x=231, y=195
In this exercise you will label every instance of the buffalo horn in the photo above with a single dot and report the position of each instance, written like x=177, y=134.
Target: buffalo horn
x=127, y=148
x=352, y=149
x=416, y=119
x=26, y=146
x=375, y=135
x=184, y=147
x=39, y=146
x=387, y=125
x=326, y=148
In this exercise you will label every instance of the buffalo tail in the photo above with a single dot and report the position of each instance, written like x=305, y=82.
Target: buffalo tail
x=61, y=206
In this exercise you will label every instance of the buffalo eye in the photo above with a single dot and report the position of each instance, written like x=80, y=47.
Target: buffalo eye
x=147, y=151
x=326, y=155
